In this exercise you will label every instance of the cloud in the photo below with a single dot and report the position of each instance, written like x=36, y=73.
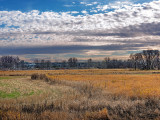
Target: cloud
x=115, y=5
x=84, y=12
x=128, y=27
x=88, y=3
x=63, y=49
x=68, y=5
x=74, y=12
x=94, y=11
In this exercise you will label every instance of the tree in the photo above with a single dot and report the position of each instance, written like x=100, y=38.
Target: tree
x=9, y=62
x=147, y=59
x=22, y=64
x=64, y=63
x=106, y=61
x=89, y=63
x=72, y=62
x=37, y=63
x=136, y=58
x=48, y=64
x=42, y=64
x=151, y=57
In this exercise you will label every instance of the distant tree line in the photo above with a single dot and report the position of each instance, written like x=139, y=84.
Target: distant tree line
x=145, y=60
x=43, y=64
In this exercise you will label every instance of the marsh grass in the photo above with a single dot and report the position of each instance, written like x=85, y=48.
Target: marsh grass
x=82, y=95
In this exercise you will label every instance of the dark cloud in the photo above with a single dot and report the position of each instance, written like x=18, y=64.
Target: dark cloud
x=142, y=29
x=65, y=49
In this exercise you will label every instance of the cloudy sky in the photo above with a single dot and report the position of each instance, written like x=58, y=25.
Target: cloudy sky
x=59, y=29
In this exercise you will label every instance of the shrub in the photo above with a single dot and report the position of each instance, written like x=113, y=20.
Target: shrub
x=42, y=76
x=47, y=79
x=34, y=76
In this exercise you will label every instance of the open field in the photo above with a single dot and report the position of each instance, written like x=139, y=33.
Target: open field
x=91, y=94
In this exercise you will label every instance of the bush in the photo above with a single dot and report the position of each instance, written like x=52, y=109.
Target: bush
x=42, y=76
x=34, y=76
x=47, y=79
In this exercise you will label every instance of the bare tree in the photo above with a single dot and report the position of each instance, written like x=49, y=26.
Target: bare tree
x=147, y=59
x=106, y=61
x=89, y=63
x=37, y=63
x=136, y=58
x=72, y=62
x=64, y=63
x=42, y=64
x=48, y=64
x=22, y=64
x=9, y=62
x=151, y=57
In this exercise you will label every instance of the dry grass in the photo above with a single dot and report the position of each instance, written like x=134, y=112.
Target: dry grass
x=140, y=85
x=76, y=72
x=81, y=95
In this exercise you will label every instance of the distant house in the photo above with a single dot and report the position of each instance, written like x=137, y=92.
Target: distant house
x=29, y=65
x=57, y=65
x=82, y=65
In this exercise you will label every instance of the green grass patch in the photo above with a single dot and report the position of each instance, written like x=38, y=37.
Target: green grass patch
x=10, y=77
x=13, y=94
x=5, y=77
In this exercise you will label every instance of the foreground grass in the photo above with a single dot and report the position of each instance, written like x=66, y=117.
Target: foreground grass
x=15, y=87
x=81, y=95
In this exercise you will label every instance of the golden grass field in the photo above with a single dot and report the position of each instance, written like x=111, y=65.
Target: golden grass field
x=71, y=89
x=131, y=85
x=117, y=81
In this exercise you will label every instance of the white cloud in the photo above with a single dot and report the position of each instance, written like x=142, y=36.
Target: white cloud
x=94, y=11
x=94, y=3
x=84, y=12
x=88, y=3
x=115, y=5
x=82, y=2
x=68, y=5
x=74, y=12
x=51, y=21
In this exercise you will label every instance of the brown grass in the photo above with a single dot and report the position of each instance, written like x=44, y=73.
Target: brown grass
x=140, y=85
x=83, y=95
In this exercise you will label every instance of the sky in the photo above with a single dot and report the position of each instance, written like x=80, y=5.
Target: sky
x=60, y=29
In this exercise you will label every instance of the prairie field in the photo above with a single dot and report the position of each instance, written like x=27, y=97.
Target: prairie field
x=84, y=94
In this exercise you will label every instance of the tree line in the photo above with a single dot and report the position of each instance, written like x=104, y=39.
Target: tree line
x=145, y=60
